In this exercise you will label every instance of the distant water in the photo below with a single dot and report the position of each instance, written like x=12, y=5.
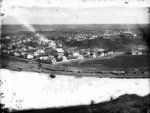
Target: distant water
x=26, y=90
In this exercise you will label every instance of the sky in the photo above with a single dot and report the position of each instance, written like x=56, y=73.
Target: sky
x=76, y=12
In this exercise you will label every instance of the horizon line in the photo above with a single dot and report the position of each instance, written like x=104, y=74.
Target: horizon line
x=87, y=24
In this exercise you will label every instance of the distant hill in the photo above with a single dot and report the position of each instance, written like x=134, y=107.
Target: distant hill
x=16, y=28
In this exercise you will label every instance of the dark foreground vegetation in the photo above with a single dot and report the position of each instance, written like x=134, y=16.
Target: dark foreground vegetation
x=123, y=104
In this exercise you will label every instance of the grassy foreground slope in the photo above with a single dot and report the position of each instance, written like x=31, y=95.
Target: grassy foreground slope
x=123, y=104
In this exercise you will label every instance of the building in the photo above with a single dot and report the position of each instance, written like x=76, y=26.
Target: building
x=52, y=44
x=127, y=33
x=39, y=51
x=16, y=53
x=76, y=54
x=133, y=52
x=64, y=58
x=106, y=36
x=60, y=52
x=30, y=56
x=80, y=57
x=101, y=54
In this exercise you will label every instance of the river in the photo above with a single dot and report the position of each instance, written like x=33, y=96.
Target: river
x=26, y=90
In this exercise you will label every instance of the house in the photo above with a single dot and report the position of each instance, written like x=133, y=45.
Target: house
x=134, y=35
x=80, y=57
x=52, y=44
x=44, y=58
x=101, y=54
x=24, y=40
x=60, y=52
x=133, y=52
x=101, y=49
x=88, y=53
x=29, y=47
x=9, y=46
x=110, y=52
x=47, y=59
x=106, y=36
x=7, y=37
x=64, y=58
x=39, y=51
x=4, y=51
x=59, y=45
x=30, y=56
x=94, y=55
x=52, y=59
x=36, y=53
x=28, y=40
x=24, y=54
x=105, y=53
x=76, y=54
x=127, y=33
x=17, y=53
x=23, y=49
x=139, y=53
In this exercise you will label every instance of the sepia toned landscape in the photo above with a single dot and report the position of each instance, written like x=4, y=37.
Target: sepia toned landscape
x=81, y=56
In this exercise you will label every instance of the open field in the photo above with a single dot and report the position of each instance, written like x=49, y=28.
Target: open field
x=19, y=64
x=123, y=61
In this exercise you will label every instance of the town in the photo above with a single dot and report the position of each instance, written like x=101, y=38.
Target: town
x=50, y=50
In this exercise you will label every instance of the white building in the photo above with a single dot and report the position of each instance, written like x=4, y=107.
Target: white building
x=64, y=58
x=16, y=53
x=94, y=55
x=80, y=57
x=60, y=52
x=136, y=52
x=30, y=56
x=52, y=44
x=76, y=54
x=7, y=37
x=102, y=54
x=39, y=51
